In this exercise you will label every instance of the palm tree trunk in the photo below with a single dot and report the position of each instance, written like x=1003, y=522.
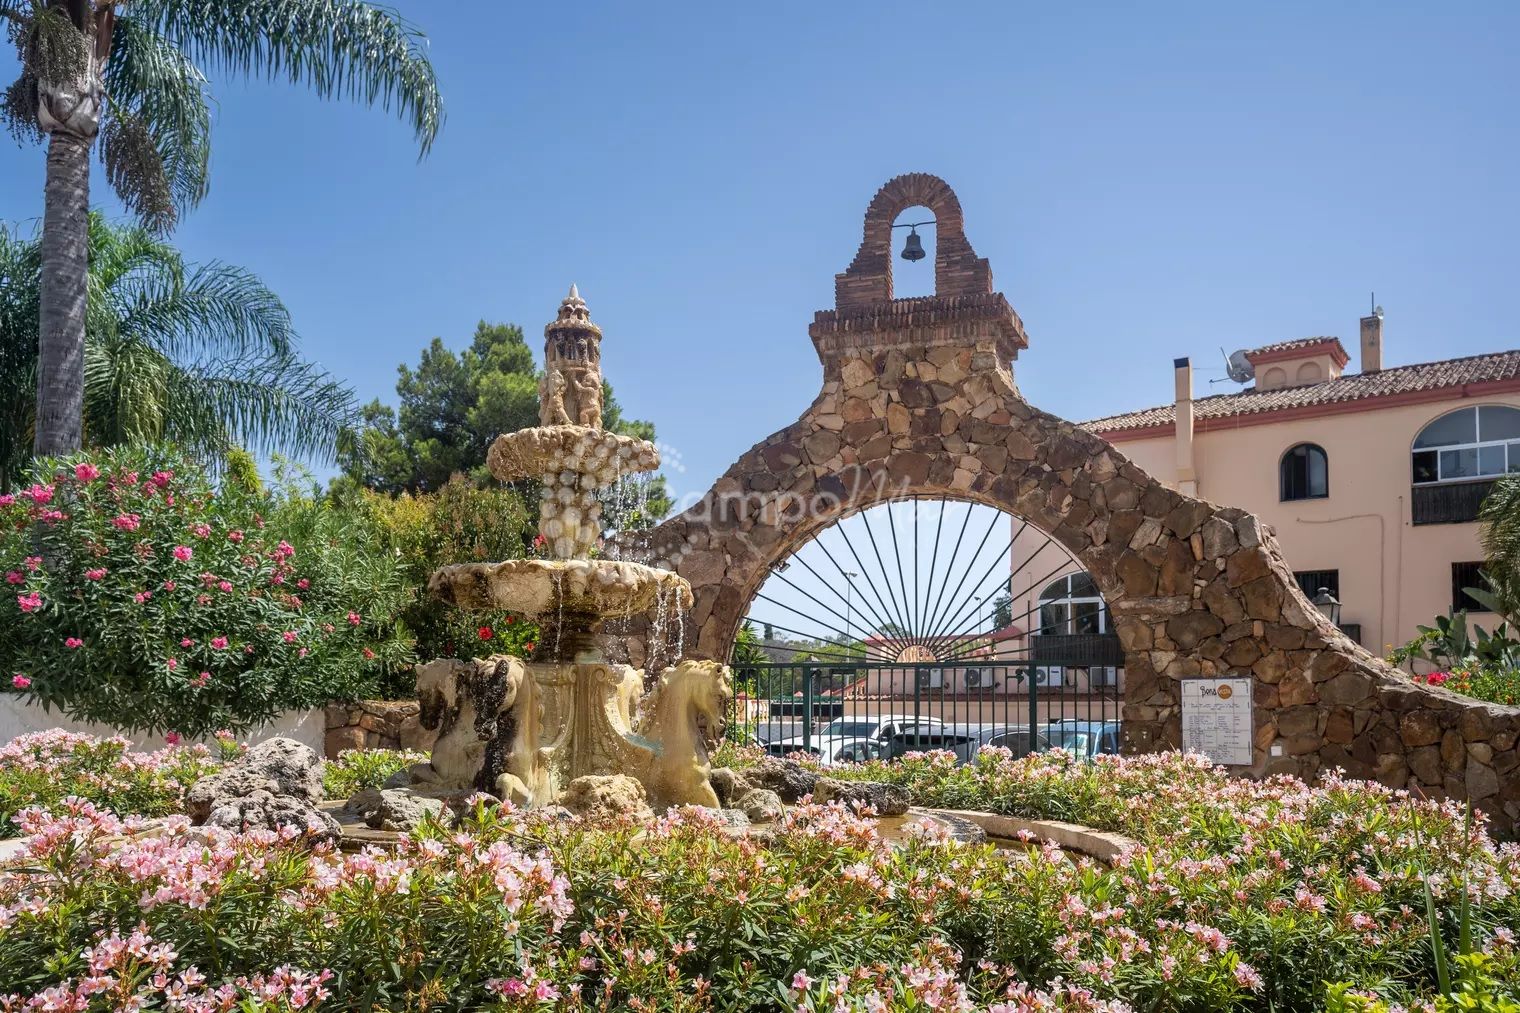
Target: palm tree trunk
x=65, y=283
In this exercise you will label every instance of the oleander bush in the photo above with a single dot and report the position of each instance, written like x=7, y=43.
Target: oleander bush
x=43, y=768
x=1240, y=896
x=145, y=597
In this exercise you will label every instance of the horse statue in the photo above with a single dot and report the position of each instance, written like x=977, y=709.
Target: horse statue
x=670, y=753
x=485, y=713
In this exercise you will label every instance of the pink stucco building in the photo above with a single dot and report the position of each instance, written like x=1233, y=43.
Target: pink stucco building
x=1371, y=479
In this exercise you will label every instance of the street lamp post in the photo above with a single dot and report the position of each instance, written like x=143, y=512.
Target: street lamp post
x=849, y=628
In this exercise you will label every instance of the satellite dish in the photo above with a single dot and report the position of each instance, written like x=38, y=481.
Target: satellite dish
x=1238, y=366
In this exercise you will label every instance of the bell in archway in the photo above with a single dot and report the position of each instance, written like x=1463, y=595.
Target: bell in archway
x=913, y=248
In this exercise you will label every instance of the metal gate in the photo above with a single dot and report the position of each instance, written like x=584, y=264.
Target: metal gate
x=843, y=713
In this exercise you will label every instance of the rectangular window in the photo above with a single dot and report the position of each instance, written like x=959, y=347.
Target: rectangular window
x=1464, y=576
x=1054, y=619
x=1310, y=582
x=1086, y=617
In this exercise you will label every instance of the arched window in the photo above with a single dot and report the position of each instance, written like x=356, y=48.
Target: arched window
x=1072, y=605
x=1304, y=473
x=1469, y=443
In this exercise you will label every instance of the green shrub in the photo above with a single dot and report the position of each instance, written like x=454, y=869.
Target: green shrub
x=460, y=523
x=357, y=769
x=145, y=598
x=44, y=768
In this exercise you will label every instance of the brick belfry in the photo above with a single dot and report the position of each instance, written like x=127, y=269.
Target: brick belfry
x=918, y=400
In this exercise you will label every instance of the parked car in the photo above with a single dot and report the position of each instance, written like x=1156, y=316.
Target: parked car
x=1084, y=738
x=965, y=740
x=854, y=740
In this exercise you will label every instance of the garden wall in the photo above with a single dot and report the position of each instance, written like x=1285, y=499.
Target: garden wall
x=19, y=718
x=374, y=724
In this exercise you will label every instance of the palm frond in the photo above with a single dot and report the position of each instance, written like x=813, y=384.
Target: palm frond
x=339, y=48
x=162, y=100
x=218, y=312
x=126, y=390
x=1500, y=517
x=269, y=404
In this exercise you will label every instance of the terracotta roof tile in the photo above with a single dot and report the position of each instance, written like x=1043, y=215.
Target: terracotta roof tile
x=1355, y=387
x=1283, y=346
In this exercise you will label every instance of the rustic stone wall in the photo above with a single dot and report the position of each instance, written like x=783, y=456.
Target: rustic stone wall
x=375, y=724
x=919, y=399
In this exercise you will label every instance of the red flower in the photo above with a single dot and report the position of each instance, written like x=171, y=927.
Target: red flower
x=173, y=738
x=86, y=472
x=484, y=633
x=510, y=620
x=368, y=654
x=530, y=645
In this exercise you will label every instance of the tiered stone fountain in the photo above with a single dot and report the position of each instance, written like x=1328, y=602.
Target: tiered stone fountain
x=532, y=729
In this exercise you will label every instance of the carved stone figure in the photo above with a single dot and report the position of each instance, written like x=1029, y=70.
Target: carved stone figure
x=483, y=711
x=551, y=399
x=588, y=398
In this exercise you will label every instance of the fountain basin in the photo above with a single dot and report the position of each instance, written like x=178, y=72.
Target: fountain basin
x=550, y=450
x=540, y=587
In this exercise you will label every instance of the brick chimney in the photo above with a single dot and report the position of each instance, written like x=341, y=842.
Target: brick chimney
x=1372, y=341
x=1187, y=477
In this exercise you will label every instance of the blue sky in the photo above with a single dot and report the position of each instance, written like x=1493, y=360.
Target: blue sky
x=1148, y=181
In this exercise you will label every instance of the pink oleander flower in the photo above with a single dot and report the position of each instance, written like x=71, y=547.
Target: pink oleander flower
x=15, y=577
x=202, y=530
x=7, y=499
x=161, y=478
x=184, y=553
x=142, y=596
x=173, y=663
x=33, y=563
x=369, y=655
x=173, y=738
x=29, y=602
x=278, y=578
x=73, y=643
x=302, y=653
x=289, y=636
x=303, y=583
x=234, y=536
x=186, y=642
x=199, y=682
x=86, y=472
x=20, y=681
x=225, y=586
x=353, y=619
x=169, y=585
x=40, y=494
x=127, y=522
x=95, y=574
x=218, y=643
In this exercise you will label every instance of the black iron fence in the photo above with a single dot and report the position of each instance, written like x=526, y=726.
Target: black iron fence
x=855, y=712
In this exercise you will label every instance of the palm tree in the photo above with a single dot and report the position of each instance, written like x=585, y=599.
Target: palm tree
x=1501, y=544
x=198, y=355
x=132, y=72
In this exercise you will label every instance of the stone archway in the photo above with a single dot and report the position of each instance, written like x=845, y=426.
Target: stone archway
x=919, y=399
